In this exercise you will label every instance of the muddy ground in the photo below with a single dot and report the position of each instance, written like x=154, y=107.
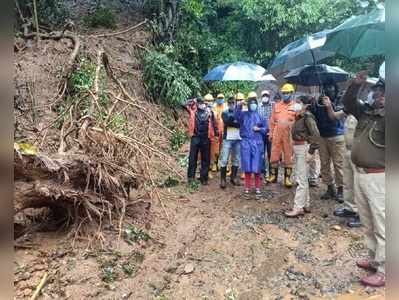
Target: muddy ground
x=215, y=245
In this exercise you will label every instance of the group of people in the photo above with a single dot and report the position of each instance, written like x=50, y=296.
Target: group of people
x=253, y=139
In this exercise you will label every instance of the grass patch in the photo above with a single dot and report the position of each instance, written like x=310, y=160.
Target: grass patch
x=101, y=17
x=133, y=235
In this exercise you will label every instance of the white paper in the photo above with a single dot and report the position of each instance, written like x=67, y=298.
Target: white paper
x=233, y=133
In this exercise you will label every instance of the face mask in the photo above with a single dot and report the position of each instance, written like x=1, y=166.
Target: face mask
x=220, y=101
x=202, y=106
x=265, y=99
x=287, y=98
x=297, y=107
x=370, y=98
x=231, y=107
x=253, y=106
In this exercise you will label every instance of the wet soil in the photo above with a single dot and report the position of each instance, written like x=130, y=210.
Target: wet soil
x=216, y=245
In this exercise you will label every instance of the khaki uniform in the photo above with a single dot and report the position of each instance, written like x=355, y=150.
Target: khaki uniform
x=304, y=130
x=332, y=151
x=350, y=126
x=368, y=157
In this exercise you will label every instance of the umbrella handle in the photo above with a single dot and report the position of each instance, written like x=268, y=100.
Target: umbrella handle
x=314, y=63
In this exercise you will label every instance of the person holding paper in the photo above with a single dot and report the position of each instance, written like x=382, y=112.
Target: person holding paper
x=230, y=145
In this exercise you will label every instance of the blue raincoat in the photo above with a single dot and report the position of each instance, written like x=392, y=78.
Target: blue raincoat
x=252, y=147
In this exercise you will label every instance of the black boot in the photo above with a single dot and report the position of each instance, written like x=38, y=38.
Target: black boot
x=223, y=171
x=233, y=177
x=340, y=194
x=354, y=222
x=331, y=193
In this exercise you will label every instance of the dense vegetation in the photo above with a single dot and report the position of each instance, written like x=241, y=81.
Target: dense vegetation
x=191, y=36
x=211, y=32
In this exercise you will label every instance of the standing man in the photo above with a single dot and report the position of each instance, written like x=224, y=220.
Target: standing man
x=306, y=138
x=265, y=111
x=230, y=145
x=202, y=130
x=332, y=143
x=349, y=209
x=217, y=108
x=368, y=157
x=281, y=121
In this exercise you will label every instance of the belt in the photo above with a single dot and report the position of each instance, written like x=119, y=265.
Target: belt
x=299, y=142
x=371, y=170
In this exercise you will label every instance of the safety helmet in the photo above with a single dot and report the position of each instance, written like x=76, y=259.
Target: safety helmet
x=252, y=95
x=220, y=96
x=287, y=88
x=265, y=92
x=240, y=96
x=208, y=97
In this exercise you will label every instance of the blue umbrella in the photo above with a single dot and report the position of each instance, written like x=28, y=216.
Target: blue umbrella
x=312, y=75
x=305, y=51
x=235, y=72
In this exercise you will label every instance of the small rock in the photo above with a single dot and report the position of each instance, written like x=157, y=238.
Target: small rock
x=189, y=268
x=337, y=227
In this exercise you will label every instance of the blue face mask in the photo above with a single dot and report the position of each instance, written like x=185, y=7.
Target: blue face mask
x=253, y=106
x=219, y=101
x=286, y=98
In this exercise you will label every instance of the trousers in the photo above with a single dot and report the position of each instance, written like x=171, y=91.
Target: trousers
x=230, y=148
x=349, y=197
x=302, y=198
x=369, y=190
x=332, y=150
x=199, y=145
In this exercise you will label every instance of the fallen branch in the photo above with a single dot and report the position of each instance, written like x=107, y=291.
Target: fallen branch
x=121, y=32
x=39, y=287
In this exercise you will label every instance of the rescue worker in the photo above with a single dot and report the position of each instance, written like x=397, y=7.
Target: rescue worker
x=368, y=157
x=230, y=145
x=281, y=121
x=253, y=129
x=202, y=130
x=265, y=111
x=332, y=143
x=218, y=107
x=304, y=131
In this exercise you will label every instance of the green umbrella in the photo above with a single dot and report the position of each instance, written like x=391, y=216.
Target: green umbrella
x=359, y=36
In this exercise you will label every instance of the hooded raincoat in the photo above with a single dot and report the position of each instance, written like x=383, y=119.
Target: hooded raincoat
x=252, y=142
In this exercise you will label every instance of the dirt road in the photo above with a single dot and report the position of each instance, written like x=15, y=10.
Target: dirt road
x=217, y=245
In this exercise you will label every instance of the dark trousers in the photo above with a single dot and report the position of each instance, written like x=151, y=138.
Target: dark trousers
x=199, y=145
x=268, y=150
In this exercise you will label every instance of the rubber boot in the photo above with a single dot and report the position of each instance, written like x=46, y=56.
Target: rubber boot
x=330, y=193
x=340, y=194
x=273, y=175
x=223, y=172
x=233, y=178
x=287, y=177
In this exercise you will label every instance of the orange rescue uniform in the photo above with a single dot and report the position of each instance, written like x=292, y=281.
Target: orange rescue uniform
x=216, y=144
x=280, y=124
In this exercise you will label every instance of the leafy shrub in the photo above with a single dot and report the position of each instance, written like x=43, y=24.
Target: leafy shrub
x=168, y=81
x=52, y=13
x=101, y=17
x=177, y=139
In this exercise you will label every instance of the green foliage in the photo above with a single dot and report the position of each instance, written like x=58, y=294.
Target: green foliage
x=82, y=78
x=52, y=13
x=193, y=186
x=133, y=235
x=168, y=81
x=229, y=88
x=178, y=138
x=101, y=17
x=170, y=182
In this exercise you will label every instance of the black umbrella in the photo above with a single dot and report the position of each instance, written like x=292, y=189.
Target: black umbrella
x=312, y=75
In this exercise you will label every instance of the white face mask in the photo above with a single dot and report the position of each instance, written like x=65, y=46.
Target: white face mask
x=370, y=98
x=202, y=106
x=265, y=99
x=297, y=107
